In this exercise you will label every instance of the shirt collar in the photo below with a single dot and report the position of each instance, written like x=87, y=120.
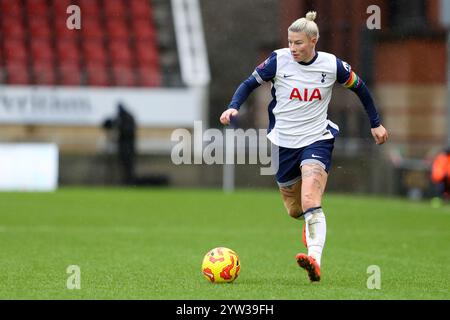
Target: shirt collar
x=310, y=62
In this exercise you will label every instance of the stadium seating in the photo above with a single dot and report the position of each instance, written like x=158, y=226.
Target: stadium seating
x=12, y=27
x=120, y=53
x=117, y=29
x=114, y=8
x=13, y=8
x=59, y=7
x=17, y=73
x=116, y=46
x=41, y=50
x=92, y=28
x=89, y=8
x=146, y=54
x=93, y=51
x=69, y=74
x=37, y=8
x=97, y=74
x=61, y=30
x=67, y=51
x=123, y=75
x=143, y=30
x=14, y=51
x=43, y=73
x=140, y=9
x=39, y=28
x=150, y=77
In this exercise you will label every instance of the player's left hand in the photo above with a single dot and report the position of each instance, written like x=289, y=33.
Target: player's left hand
x=380, y=134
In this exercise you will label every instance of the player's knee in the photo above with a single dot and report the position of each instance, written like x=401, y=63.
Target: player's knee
x=291, y=199
x=294, y=211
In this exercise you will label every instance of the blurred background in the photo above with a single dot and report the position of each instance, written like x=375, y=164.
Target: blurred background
x=90, y=95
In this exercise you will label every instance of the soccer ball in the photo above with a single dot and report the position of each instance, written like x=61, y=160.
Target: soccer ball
x=221, y=265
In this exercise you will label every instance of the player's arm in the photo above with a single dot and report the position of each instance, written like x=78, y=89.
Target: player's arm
x=349, y=79
x=239, y=97
x=264, y=72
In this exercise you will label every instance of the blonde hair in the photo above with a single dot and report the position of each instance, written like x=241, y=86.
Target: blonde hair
x=306, y=25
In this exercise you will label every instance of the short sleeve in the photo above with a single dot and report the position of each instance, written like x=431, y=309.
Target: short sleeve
x=266, y=71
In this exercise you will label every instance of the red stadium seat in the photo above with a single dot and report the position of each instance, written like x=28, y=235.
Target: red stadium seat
x=120, y=53
x=140, y=9
x=14, y=50
x=115, y=46
x=12, y=27
x=44, y=73
x=67, y=51
x=114, y=8
x=123, y=76
x=143, y=30
x=89, y=8
x=41, y=50
x=97, y=75
x=39, y=27
x=149, y=77
x=92, y=28
x=69, y=74
x=37, y=8
x=17, y=74
x=146, y=54
x=94, y=51
x=62, y=32
x=117, y=29
x=60, y=8
x=61, y=5
x=11, y=8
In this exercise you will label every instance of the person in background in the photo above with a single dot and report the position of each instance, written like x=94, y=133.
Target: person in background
x=125, y=125
x=440, y=176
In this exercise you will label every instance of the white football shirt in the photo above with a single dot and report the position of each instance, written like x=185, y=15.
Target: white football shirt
x=301, y=93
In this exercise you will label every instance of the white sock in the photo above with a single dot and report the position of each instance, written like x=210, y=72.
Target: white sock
x=316, y=230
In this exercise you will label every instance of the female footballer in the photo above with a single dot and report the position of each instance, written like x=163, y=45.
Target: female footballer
x=302, y=81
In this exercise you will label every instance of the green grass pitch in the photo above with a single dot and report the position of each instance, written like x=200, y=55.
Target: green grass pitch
x=149, y=244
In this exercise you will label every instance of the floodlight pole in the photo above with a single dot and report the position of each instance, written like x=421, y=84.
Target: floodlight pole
x=228, y=178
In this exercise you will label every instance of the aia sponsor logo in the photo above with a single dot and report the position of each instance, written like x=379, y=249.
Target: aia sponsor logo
x=306, y=94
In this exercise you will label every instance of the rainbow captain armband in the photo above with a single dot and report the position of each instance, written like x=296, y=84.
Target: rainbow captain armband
x=353, y=81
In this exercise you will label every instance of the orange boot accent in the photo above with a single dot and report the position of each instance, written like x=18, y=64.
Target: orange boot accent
x=310, y=265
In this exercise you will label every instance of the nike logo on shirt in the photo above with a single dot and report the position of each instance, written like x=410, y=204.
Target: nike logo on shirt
x=314, y=156
x=288, y=76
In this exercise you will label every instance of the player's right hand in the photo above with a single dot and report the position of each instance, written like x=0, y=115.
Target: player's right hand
x=225, y=118
x=380, y=134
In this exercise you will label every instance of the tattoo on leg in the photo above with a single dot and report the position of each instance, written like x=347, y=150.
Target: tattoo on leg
x=318, y=171
x=307, y=173
x=314, y=171
x=318, y=185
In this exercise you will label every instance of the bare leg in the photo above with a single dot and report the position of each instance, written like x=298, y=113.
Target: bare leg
x=314, y=179
x=292, y=199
